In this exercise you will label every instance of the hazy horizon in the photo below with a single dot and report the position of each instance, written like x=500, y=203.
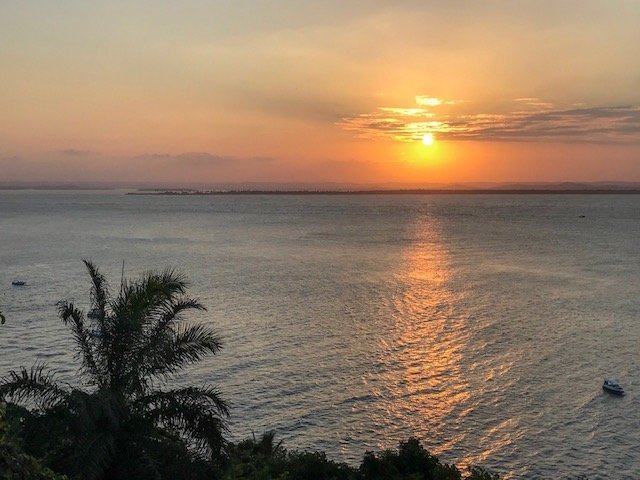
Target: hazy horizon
x=320, y=186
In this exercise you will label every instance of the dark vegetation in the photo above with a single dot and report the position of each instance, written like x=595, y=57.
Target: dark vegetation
x=265, y=460
x=123, y=425
x=14, y=463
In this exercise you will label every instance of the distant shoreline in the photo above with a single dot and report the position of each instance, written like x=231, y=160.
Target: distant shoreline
x=480, y=191
x=633, y=189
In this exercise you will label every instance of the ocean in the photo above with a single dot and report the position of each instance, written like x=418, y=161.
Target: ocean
x=481, y=324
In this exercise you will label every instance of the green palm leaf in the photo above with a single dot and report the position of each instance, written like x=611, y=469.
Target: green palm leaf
x=34, y=385
x=84, y=340
x=186, y=346
x=197, y=413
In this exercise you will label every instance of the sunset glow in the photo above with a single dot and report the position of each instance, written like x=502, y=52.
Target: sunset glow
x=232, y=92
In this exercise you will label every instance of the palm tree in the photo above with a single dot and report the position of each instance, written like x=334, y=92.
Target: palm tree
x=122, y=425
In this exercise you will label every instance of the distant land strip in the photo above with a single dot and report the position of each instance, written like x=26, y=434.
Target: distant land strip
x=419, y=191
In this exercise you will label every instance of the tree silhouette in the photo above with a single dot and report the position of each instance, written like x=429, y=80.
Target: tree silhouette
x=122, y=424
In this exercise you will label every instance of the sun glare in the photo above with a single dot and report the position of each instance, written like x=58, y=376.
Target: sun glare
x=428, y=139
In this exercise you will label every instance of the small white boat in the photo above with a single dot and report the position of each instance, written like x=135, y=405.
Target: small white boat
x=612, y=386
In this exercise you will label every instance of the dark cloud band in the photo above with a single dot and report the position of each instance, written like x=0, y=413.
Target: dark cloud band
x=528, y=120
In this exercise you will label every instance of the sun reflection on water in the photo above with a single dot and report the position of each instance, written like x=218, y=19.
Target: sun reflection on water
x=435, y=371
x=426, y=378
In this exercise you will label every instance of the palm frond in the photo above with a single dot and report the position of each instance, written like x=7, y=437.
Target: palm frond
x=35, y=385
x=173, y=314
x=130, y=310
x=199, y=413
x=70, y=315
x=100, y=298
x=140, y=303
x=160, y=334
x=152, y=294
x=170, y=281
x=143, y=315
x=99, y=287
x=188, y=345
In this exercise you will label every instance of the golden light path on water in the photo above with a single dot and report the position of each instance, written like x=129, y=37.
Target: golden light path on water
x=429, y=381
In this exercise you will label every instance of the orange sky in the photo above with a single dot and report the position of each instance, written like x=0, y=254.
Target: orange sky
x=334, y=91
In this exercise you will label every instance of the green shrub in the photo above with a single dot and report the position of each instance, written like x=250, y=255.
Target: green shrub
x=410, y=462
x=14, y=463
x=266, y=460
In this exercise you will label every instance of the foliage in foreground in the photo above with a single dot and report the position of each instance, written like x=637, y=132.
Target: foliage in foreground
x=265, y=460
x=14, y=463
x=121, y=425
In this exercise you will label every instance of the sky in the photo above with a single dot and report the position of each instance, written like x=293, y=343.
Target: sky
x=308, y=91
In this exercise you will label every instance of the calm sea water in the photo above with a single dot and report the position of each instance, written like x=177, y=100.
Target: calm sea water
x=481, y=324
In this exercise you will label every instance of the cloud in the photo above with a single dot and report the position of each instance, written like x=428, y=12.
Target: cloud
x=523, y=119
x=204, y=159
x=428, y=101
x=72, y=152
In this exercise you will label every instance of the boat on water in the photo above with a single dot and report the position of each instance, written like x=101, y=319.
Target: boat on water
x=612, y=386
x=18, y=283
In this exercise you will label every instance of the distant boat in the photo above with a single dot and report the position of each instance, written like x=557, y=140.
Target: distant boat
x=93, y=313
x=18, y=283
x=612, y=386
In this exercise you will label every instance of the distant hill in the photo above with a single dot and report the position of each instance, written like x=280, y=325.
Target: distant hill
x=326, y=187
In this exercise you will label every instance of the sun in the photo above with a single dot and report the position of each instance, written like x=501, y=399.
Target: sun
x=428, y=139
